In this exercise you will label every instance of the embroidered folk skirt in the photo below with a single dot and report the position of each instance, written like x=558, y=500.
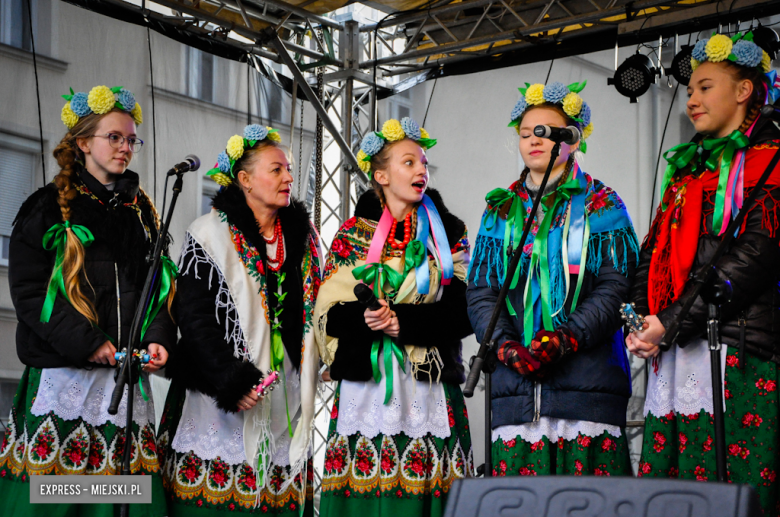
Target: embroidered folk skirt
x=394, y=474
x=197, y=487
x=682, y=446
x=560, y=447
x=49, y=444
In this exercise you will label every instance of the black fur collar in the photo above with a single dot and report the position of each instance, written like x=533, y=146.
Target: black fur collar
x=369, y=207
x=295, y=222
x=125, y=189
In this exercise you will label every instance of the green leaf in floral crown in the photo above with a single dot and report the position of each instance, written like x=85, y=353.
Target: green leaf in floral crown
x=117, y=104
x=583, y=146
x=748, y=36
x=366, y=158
x=69, y=97
x=427, y=142
x=251, y=143
x=578, y=120
x=523, y=90
x=213, y=171
x=380, y=135
x=732, y=58
x=116, y=89
x=513, y=123
x=577, y=87
x=272, y=131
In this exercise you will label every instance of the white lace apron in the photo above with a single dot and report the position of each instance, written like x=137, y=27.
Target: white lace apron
x=72, y=393
x=553, y=429
x=415, y=409
x=683, y=382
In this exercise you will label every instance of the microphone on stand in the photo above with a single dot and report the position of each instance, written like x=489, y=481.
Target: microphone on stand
x=568, y=135
x=190, y=163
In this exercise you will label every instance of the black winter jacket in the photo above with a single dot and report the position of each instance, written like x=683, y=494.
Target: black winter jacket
x=752, y=265
x=115, y=260
x=442, y=324
x=204, y=360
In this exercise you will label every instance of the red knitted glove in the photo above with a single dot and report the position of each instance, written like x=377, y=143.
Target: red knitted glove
x=518, y=358
x=550, y=346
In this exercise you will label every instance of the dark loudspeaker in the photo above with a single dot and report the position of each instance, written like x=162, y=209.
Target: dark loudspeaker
x=568, y=496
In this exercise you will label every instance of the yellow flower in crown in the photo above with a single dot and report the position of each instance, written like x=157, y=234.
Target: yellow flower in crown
x=766, y=63
x=235, y=147
x=572, y=104
x=101, y=100
x=718, y=48
x=273, y=136
x=587, y=130
x=424, y=133
x=222, y=179
x=694, y=64
x=138, y=117
x=364, y=161
x=69, y=118
x=535, y=94
x=392, y=130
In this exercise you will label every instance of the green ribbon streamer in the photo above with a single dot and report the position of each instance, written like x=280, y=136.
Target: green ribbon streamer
x=723, y=148
x=540, y=256
x=168, y=274
x=515, y=221
x=390, y=349
x=683, y=155
x=495, y=200
x=277, y=346
x=378, y=275
x=141, y=384
x=56, y=237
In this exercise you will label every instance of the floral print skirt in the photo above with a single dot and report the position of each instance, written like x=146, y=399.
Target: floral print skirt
x=196, y=487
x=395, y=475
x=604, y=455
x=682, y=446
x=49, y=445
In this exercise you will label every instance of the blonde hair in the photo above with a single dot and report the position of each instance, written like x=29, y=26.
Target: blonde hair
x=380, y=161
x=68, y=154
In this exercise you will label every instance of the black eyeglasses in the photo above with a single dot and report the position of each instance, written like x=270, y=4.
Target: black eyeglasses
x=117, y=141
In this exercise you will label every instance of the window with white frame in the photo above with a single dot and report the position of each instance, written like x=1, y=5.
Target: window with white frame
x=199, y=74
x=18, y=161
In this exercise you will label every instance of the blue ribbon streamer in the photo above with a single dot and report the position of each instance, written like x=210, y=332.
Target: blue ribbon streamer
x=440, y=238
x=422, y=272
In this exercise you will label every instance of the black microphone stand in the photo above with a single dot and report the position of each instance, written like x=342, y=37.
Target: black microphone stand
x=127, y=374
x=484, y=360
x=702, y=278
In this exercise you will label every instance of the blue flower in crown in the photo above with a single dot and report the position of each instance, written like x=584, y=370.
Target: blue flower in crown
x=126, y=99
x=255, y=132
x=585, y=114
x=555, y=92
x=699, y=53
x=371, y=144
x=411, y=128
x=223, y=162
x=519, y=108
x=748, y=53
x=79, y=104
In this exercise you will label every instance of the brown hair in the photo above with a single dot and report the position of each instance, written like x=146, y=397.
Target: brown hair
x=67, y=153
x=756, y=101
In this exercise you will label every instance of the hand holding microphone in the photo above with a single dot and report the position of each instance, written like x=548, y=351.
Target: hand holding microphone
x=378, y=315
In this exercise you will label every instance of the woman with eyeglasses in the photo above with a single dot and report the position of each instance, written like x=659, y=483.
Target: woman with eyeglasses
x=77, y=266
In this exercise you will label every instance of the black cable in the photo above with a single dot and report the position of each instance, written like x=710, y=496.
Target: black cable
x=154, y=116
x=658, y=160
x=429, y=101
x=549, y=70
x=37, y=89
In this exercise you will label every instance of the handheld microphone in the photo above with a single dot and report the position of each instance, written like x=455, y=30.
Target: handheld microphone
x=190, y=163
x=366, y=297
x=569, y=135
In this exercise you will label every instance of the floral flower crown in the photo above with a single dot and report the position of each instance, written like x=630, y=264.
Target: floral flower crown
x=738, y=49
x=100, y=100
x=222, y=172
x=556, y=93
x=392, y=131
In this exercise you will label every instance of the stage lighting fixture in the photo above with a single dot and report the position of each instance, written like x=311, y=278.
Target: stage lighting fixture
x=634, y=77
x=681, y=65
x=767, y=39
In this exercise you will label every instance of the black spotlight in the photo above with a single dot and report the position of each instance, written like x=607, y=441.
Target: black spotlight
x=681, y=65
x=634, y=77
x=767, y=39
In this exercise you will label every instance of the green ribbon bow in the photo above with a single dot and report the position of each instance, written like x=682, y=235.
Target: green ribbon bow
x=168, y=274
x=723, y=149
x=539, y=255
x=277, y=346
x=390, y=349
x=414, y=255
x=56, y=237
x=378, y=275
x=683, y=155
x=495, y=200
